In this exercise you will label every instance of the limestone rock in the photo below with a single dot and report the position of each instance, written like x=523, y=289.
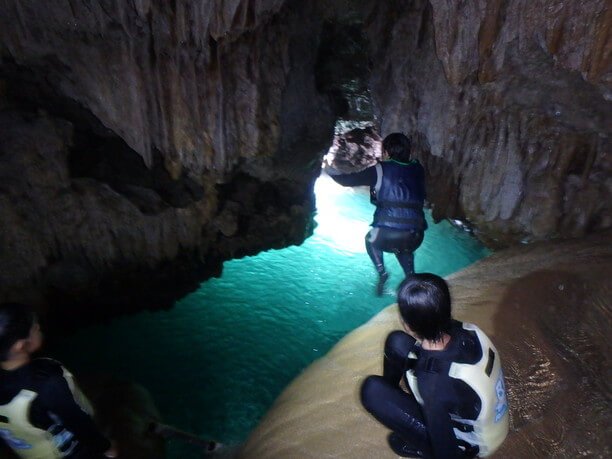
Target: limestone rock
x=514, y=102
x=354, y=150
x=131, y=135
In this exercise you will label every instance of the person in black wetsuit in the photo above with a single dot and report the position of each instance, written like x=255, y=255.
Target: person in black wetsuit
x=457, y=405
x=397, y=188
x=42, y=412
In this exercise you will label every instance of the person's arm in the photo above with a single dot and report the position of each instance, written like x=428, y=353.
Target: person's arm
x=366, y=177
x=61, y=402
x=442, y=439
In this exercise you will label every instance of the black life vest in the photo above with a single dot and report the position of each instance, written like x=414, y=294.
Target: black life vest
x=399, y=194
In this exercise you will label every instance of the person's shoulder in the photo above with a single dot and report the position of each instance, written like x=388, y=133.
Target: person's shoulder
x=416, y=165
x=46, y=368
x=468, y=341
x=411, y=165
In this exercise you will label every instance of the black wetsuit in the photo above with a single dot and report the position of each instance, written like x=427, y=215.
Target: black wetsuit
x=428, y=428
x=54, y=409
x=398, y=191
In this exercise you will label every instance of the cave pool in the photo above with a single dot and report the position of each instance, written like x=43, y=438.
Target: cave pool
x=216, y=361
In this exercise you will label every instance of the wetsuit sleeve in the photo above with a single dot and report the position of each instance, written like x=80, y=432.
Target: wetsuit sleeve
x=442, y=439
x=60, y=400
x=366, y=177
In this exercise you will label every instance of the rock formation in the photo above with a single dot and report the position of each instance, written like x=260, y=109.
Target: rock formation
x=512, y=102
x=354, y=150
x=547, y=309
x=143, y=143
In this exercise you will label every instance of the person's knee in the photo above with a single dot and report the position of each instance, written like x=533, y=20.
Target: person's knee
x=398, y=343
x=369, y=390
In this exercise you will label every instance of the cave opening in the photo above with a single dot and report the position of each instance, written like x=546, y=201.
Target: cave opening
x=342, y=71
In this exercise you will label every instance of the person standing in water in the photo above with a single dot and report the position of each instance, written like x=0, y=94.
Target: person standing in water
x=43, y=414
x=397, y=189
x=457, y=407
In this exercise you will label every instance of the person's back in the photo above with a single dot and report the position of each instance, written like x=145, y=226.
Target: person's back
x=462, y=388
x=399, y=194
x=457, y=404
x=42, y=412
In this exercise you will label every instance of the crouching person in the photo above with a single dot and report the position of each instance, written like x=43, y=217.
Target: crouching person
x=42, y=412
x=457, y=405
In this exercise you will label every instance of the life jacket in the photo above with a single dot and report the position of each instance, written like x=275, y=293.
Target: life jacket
x=399, y=194
x=25, y=439
x=29, y=441
x=486, y=379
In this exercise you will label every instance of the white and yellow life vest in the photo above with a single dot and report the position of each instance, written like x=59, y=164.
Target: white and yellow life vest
x=31, y=442
x=25, y=439
x=486, y=378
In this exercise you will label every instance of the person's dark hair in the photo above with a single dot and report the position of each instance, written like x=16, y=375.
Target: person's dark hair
x=397, y=146
x=16, y=321
x=425, y=305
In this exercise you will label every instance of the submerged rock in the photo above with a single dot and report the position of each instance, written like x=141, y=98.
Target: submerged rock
x=547, y=309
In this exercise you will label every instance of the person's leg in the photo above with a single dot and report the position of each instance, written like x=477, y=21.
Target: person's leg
x=398, y=411
x=406, y=261
x=405, y=255
x=397, y=347
x=376, y=255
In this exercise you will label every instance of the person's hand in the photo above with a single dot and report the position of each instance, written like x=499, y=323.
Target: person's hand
x=403, y=385
x=330, y=170
x=328, y=160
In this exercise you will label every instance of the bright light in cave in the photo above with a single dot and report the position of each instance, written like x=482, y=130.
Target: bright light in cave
x=339, y=224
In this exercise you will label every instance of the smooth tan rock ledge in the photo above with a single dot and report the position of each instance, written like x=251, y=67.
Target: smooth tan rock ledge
x=546, y=306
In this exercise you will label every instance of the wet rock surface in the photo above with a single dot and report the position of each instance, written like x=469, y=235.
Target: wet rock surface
x=547, y=309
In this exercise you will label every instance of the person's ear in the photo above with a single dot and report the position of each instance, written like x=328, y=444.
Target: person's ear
x=18, y=347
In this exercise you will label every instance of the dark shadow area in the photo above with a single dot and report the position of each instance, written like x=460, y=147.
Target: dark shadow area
x=96, y=152
x=342, y=69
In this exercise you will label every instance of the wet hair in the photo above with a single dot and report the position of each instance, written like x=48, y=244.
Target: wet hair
x=16, y=321
x=398, y=146
x=425, y=305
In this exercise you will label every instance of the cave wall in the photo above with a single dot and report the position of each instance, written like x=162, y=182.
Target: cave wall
x=510, y=104
x=143, y=143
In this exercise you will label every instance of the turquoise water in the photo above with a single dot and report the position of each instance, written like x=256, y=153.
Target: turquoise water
x=219, y=358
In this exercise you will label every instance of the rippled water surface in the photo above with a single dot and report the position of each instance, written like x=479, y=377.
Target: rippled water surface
x=219, y=358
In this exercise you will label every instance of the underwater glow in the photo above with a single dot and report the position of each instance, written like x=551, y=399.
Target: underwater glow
x=215, y=362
